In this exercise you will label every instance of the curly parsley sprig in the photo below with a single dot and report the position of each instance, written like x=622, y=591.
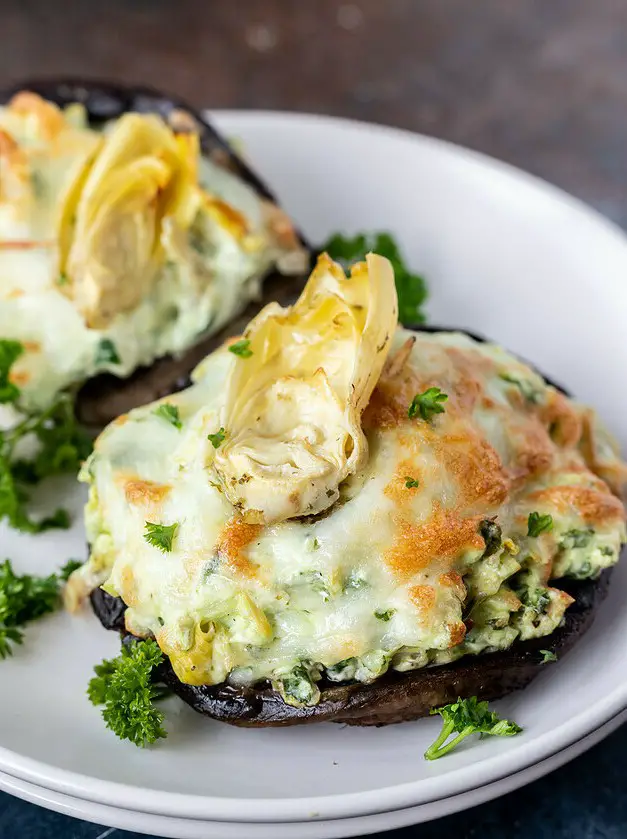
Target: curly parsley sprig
x=125, y=688
x=60, y=448
x=466, y=717
x=24, y=598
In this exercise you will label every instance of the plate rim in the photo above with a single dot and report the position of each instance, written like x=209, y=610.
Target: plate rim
x=358, y=825
x=381, y=799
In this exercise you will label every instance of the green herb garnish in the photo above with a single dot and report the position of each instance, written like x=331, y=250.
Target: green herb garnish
x=466, y=717
x=69, y=568
x=217, y=439
x=547, y=656
x=384, y=615
x=427, y=404
x=241, y=348
x=410, y=483
x=160, y=535
x=170, y=413
x=61, y=446
x=24, y=598
x=10, y=351
x=410, y=288
x=106, y=353
x=124, y=686
x=538, y=523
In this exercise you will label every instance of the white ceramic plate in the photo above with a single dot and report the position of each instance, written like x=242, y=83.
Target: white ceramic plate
x=505, y=255
x=178, y=828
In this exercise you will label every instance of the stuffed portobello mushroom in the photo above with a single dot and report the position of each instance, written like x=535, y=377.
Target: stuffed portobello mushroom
x=342, y=519
x=129, y=232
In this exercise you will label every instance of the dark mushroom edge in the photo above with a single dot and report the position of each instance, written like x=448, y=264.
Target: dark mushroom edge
x=394, y=697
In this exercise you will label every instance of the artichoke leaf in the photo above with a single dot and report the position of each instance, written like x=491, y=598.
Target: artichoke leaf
x=293, y=408
x=110, y=224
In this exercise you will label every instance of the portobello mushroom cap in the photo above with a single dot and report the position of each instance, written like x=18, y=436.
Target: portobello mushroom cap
x=394, y=697
x=105, y=397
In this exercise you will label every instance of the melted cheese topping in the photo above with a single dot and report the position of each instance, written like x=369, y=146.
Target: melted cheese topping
x=121, y=246
x=394, y=574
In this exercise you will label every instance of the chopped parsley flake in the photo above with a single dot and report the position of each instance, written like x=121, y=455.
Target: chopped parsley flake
x=241, y=348
x=537, y=524
x=410, y=483
x=547, y=656
x=160, y=535
x=217, y=439
x=170, y=413
x=427, y=404
x=384, y=614
x=466, y=717
x=106, y=353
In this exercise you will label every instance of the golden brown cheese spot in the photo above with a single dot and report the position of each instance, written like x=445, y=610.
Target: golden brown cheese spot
x=532, y=451
x=614, y=471
x=397, y=490
x=466, y=387
x=476, y=467
x=126, y=586
x=13, y=168
x=121, y=420
x=19, y=377
x=280, y=225
x=451, y=579
x=144, y=493
x=457, y=632
x=49, y=116
x=596, y=507
x=444, y=535
x=423, y=598
x=566, y=599
x=227, y=217
x=232, y=543
x=561, y=419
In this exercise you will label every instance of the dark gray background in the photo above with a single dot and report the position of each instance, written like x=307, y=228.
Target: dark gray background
x=539, y=83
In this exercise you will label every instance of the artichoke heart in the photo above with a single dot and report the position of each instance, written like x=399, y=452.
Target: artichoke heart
x=110, y=225
x=293, y=407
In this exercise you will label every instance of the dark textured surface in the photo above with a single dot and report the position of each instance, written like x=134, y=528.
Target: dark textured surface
x=539, y=83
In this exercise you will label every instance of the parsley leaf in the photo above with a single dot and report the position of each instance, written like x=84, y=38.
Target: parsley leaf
x=547, y=656
x=23, y=598
x=106, y=353
x=241, y=348
x=124, y=686
x=411, y=288
x=537, y=524
x=69, y=568
x=160, y=535
x=466, y=717
x=217, y=439
x=61, y=446
x=427, y=404
x=410, y=483
x=384, y=614
x=170, y=413
x=10, y=351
